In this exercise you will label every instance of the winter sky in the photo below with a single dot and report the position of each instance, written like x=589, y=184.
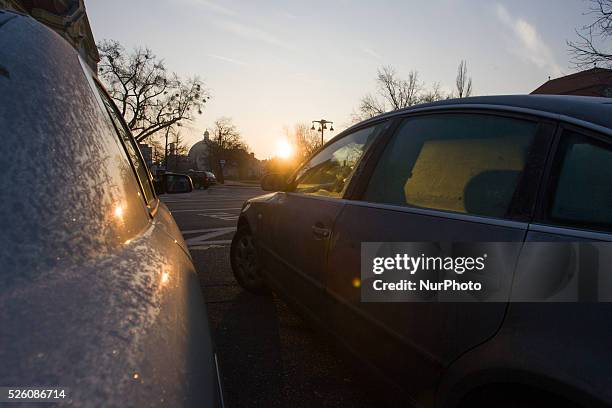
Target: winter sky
x=270, y=64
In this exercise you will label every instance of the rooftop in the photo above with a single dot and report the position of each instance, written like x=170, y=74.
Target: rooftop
x=592, y=82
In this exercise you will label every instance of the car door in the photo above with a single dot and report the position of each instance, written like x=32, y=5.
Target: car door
x=303, y=217
x=565, y=267
x=441, y=178
x=574, y=207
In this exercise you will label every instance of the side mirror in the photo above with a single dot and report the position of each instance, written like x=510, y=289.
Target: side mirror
x=173, y=184
x=274, y=182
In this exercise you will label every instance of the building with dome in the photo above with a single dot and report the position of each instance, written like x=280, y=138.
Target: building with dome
x=237, y=163
x=199, y=154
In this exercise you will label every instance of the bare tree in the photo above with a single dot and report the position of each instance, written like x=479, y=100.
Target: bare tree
x=158, y=149
x=149, y=97
x=463, y=82
x=176, y=148
x=305, y=140
x=434, y=94
x=399, y=93
x=369, y=106
x=590, y=49
x=225, y=135
x=393, y=92
x=224, y=139
x=179, y=148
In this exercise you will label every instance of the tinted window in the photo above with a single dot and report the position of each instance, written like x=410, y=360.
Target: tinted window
x=131, y=147
x=583, y=194
x=329, y=171
x=466, y=163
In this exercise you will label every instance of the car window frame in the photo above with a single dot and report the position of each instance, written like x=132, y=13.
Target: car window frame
x=95, y=85
x=153, y=205
x=551, y=178
x=292, y=185
x=522, y=207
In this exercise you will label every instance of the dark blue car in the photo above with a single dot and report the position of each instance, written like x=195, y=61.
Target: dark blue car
x=499, y=169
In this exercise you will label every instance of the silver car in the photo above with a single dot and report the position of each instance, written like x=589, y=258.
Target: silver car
x=98, y=292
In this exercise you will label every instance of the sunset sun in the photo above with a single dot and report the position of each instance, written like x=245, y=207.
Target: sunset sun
x=284, y=149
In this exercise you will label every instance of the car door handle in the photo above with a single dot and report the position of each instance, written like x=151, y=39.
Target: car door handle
x=320, y=231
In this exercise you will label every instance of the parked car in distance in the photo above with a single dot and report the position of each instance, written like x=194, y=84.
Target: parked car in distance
x=202, y=179
x=98, y=292
x=212, y=179
x=483, y=169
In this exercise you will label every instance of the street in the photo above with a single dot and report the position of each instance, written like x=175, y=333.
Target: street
x=269, y=357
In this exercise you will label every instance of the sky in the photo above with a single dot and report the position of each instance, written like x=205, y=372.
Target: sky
x=271, y=64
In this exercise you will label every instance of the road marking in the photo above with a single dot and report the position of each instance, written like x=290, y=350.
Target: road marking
x=200, y=238
x=209, y=230
x=206, y=209
x=208, y=199
x=210, y=244
x=221, y=216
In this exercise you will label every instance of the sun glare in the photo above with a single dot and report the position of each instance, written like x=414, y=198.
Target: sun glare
x=284, y=149
x=118, y=211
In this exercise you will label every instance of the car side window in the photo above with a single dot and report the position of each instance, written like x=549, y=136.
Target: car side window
x=130, y=146
x=583, y=192
x=459, y=162
x=328, y=173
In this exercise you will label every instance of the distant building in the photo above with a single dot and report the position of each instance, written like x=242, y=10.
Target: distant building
x=199, y=154
x=66, y=17
x=147, y=153
x=242, y=165
x=592, y=82
x=179, y=163
x=253, y=168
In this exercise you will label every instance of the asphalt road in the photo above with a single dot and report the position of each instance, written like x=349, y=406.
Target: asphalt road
x=269, y=357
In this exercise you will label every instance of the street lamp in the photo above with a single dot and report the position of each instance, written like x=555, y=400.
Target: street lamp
x=176, y=145
x=166, y=150
x=322, y=126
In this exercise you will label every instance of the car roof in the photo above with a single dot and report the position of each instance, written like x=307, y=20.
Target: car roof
x=593, y=110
